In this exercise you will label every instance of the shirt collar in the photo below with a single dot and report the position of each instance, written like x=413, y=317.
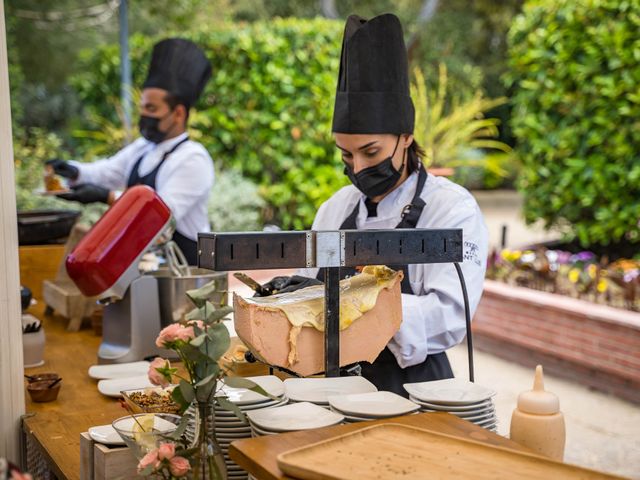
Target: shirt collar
x=393, y=204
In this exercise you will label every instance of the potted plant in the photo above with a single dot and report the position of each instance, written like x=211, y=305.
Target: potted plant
x=200, y=340
x=449, y=127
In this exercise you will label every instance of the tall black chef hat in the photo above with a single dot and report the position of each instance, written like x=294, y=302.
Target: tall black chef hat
x=373, y=84
x=180, y=67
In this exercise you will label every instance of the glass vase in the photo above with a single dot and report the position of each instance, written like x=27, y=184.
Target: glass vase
x=208, y=459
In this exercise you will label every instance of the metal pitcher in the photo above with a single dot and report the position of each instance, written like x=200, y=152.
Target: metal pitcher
x=173, y=301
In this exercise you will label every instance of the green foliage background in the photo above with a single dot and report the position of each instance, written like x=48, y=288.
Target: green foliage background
x=575, y=67
x=266, y=111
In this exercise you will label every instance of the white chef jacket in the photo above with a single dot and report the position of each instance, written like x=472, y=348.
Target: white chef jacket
x=184, y=180
x=433, y=318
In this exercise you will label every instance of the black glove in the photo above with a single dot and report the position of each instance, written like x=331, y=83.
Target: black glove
x=86, y=193
x=286, y=285
x=64, y=169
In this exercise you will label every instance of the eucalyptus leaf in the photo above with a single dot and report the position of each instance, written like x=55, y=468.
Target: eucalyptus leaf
x=204, y=392
x=177, y=397
x=196, y=342
x=217, y=314
x=182, y=426
x=239, y=382
x=218, y=344
x=201, y=295
x=187, y=391
x=146, y=471
x=205, y=380
x=193, y=354
x=199, y=312
x=231, y=407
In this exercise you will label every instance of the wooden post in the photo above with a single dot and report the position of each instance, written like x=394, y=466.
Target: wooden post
x=11, y=362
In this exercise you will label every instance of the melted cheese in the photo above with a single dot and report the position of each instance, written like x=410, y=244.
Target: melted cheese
x=358, y=295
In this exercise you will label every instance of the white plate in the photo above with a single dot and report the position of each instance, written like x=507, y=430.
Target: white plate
x=297, y=416
x=114, y=386
x=452, y=408
x=223, y=429
x=259, y=432
x=159, y=424
x=451, y=391
x=243, y=396
x=372, y=404
x=225, y=436
x=317, y=390
x=118, y=370
x=222, y=414
x=465, y=413
x=351, y=418
x=106, y=435
x=488, y=421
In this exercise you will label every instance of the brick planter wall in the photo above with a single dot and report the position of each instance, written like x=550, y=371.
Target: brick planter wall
x=592, y=344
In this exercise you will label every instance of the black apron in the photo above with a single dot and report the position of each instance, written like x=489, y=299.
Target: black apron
x=384, y=372
x=189, y=247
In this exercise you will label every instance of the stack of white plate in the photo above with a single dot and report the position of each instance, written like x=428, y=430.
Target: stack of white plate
x=462, y=398
x=361, y=407
x=229, y=427
x=290, y=418
x=318, y=390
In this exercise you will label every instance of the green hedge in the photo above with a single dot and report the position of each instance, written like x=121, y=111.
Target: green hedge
x=266, y=112
x=575, y=71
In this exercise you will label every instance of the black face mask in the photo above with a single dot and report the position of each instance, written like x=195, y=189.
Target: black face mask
x=376, y=180
x=149, y=128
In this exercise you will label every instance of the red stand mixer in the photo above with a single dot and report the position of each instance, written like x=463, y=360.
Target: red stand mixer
x=105, y=262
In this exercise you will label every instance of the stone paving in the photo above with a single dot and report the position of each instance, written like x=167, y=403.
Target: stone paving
x=603, y=432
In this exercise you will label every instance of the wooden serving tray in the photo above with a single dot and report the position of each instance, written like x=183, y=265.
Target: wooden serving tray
x=392, y=451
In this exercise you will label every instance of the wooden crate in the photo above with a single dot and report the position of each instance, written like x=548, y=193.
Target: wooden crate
x=100, y=462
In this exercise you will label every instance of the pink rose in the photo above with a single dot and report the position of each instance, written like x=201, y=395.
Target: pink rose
x=174, y=332
x=186, y=333
x=154, y=375
x=179, y=466
x=168, y=334
x=167, y=451
x=15, y=475
x=150, y=458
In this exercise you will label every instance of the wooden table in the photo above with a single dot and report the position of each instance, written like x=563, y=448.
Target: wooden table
x=258, y=455
x=56, y=426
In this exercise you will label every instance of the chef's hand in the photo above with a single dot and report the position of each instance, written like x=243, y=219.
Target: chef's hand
x=287, y=284
x=64, y=169
x=88, y=193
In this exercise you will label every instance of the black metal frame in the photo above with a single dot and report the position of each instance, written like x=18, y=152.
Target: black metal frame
x=331, y=250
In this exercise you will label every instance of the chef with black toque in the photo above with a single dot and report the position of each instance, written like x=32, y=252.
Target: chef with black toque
x=164, y=158
x=373, y=124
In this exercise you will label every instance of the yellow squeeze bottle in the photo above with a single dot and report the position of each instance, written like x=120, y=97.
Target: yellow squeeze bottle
x=537, y=421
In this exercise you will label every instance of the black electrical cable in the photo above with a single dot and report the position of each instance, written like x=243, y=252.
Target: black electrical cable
x=467, y=318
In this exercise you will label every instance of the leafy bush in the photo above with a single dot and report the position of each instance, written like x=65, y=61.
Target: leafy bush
x=266, y=111
x=575, y=70
x=232, y=188
x=31, y=148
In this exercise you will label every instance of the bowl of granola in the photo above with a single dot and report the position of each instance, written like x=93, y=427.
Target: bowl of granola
x=151, y=400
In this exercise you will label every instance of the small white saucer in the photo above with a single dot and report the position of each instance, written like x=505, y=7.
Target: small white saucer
x=106, y=435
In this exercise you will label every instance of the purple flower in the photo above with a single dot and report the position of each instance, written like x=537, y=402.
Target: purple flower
x=631, y=275
x=563, y=257
x=583, y=257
